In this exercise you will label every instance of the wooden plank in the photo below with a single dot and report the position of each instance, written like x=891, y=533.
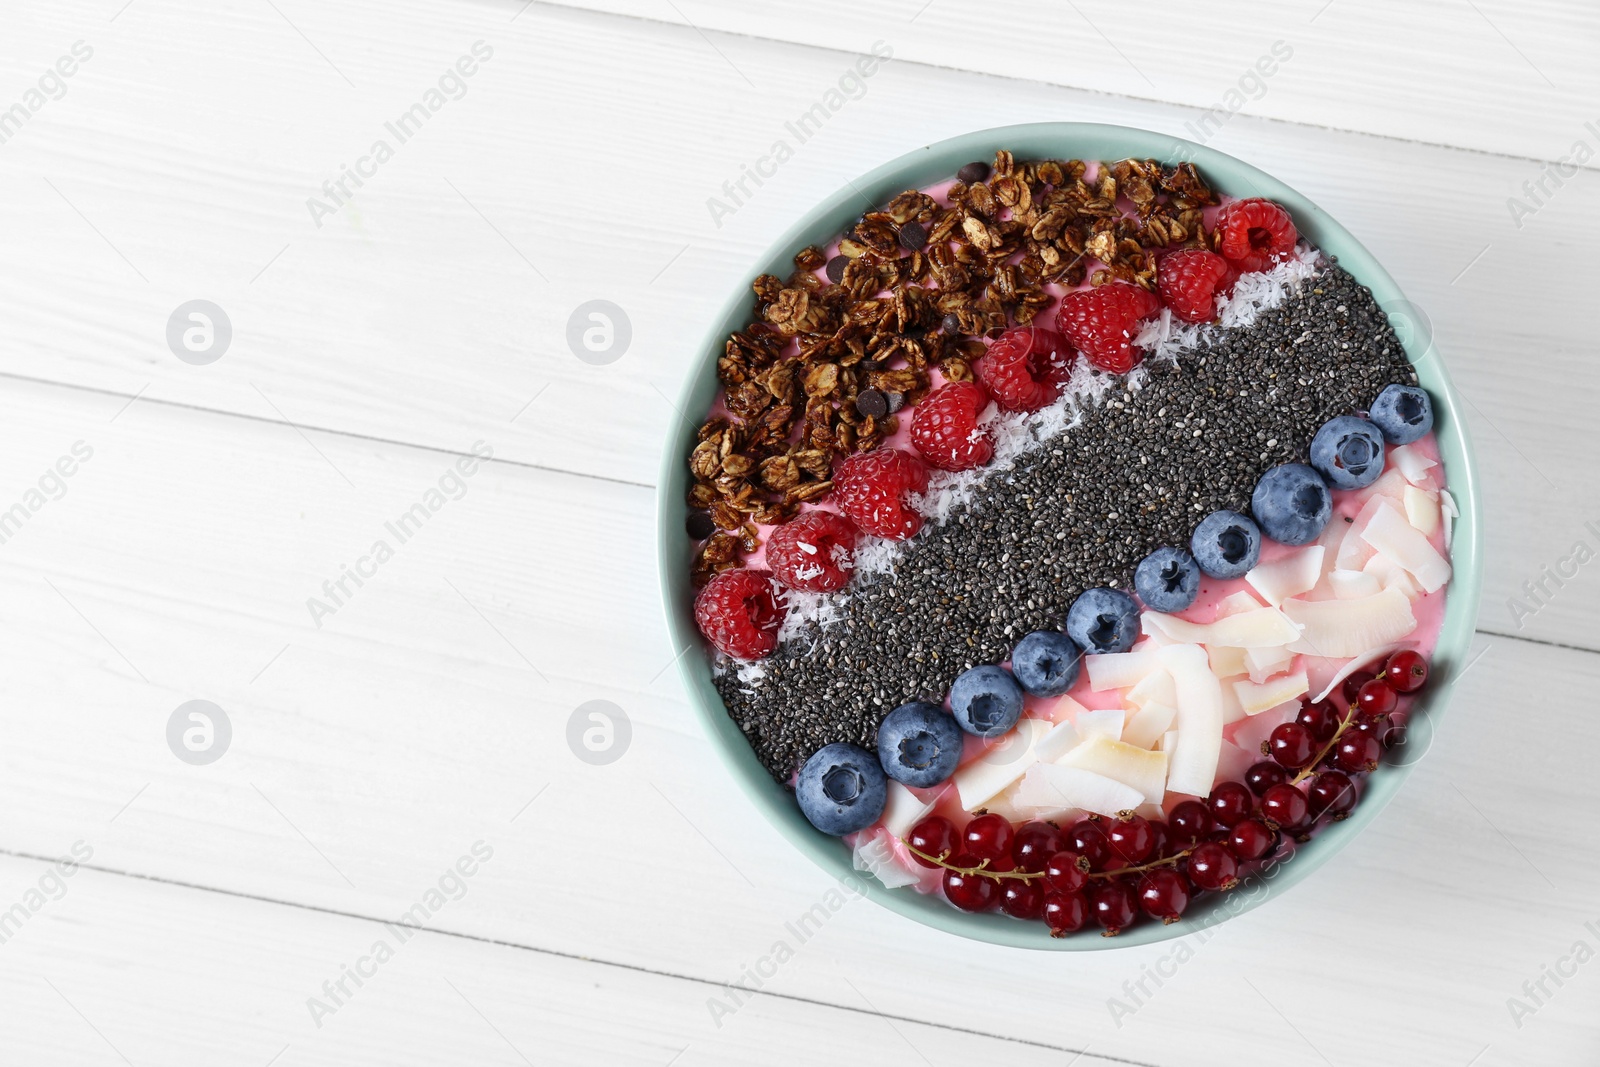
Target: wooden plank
x=113, y=967
x=369, y=754
x=1482, y=76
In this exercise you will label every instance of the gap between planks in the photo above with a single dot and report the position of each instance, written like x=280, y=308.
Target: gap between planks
x=556, y=5
x=633, y=967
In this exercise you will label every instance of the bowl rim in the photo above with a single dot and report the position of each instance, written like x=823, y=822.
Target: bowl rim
x=1064, y=140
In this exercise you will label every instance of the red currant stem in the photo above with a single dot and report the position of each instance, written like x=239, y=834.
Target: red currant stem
x=982, y=868
x=1311, y=768
x=1165, y=861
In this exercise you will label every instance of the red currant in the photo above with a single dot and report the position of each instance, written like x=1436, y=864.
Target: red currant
x=1188, y=822
x=1292, y=745
x=1034, y=844
x=1263, y=776
x=1213, y=867
x=1376, y=698
x=1285, y=806
x=1251, y=839
x=1331, y=793
x=1164, y=894
x=1087, y=839
x=1321, y=718
x=1357, y=752
x=1022, y=899
x=1131, y=839
x=969, y=892
x=1115, y=906
x=1229, y=802
x=1066, y=872
x=1162, y=837
x=988, y=837
x=933, y=836
x=1353, y=684
x=1406, y=672
x=1065, y=913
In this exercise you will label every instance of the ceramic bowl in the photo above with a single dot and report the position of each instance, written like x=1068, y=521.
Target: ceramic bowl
x=1065, y=140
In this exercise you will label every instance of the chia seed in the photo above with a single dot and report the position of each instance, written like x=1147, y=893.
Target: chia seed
x=1137, y=473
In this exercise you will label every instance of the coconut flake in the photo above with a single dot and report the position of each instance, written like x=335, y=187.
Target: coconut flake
x=1447, y=508
x=1050, y=788
x=1404, y=545
x=1263, y=663
x=1256, y=698
x=1390, y=575
x=1147, y=724
x=875, y=855
x=1287, y=576
x=1106, y=722
x=1000, y=764
x=1193, y=766
x=1257, y=628
x=1422, y=510
x=1226, y=660
x=1412, y=465
x=903, y=809
x=1120, y=670
x=1353, y=585
x=1334, y=629
x=1135, y=767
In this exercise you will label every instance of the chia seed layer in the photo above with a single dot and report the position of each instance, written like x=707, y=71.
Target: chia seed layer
x=1137, y=473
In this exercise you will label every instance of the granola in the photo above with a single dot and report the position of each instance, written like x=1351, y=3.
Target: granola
x=915, y=286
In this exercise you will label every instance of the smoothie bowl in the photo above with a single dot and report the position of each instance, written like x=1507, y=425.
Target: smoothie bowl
x=1077, y=547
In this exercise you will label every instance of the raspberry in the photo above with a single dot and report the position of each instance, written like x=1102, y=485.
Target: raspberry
x=1025, y=368
x=945, y=429
x=1190, y=280
x=1103, y=321
x=739, y=612
x=1255, y=234
x=870, y=488
x=812, y=552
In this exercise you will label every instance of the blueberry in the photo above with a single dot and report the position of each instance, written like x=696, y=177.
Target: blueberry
x=1046, y=663
x=919, y=744
x=1403, y=412
x=1103, y=620
x=1226, y=544
x=841, y=789
x=986, y=701
x=1168, y=579
x=1292, y=503
x=1348, y=452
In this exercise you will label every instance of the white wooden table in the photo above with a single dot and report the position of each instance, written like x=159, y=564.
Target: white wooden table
x=377, y=340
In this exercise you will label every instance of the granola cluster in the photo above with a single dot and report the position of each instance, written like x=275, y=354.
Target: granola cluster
x=915, y=286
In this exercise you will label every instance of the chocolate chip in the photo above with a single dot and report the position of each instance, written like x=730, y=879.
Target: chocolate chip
x=913, y=235
x=873, y=403
x=951, y=323
x=896, y=401
x=973, y=173
x=700, y=525
x=836, y=267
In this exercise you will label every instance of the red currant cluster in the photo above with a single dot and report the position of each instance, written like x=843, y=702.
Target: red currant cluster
x=1112, y=870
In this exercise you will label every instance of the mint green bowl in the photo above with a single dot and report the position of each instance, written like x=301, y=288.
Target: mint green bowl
x=1065, y=140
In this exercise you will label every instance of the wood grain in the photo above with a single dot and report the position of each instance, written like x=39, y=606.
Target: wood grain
x=1491, y=77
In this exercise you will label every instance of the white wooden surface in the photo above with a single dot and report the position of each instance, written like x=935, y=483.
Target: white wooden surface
x=425, y=715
